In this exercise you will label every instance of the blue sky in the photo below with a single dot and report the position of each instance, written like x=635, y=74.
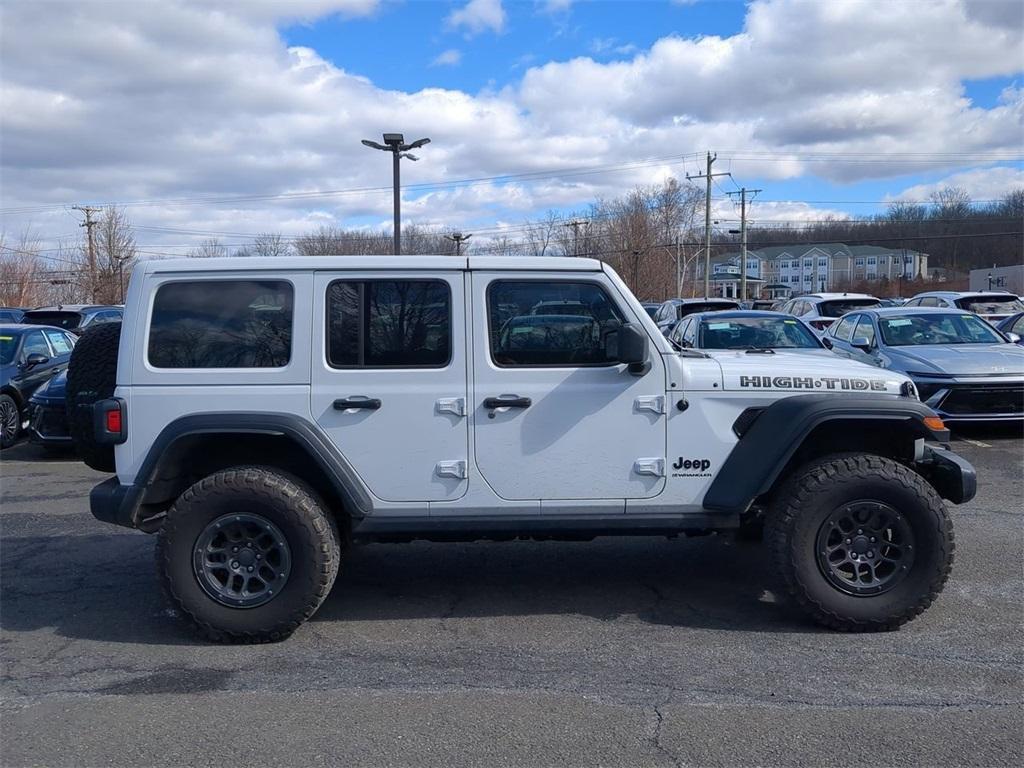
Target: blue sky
x=228, y=110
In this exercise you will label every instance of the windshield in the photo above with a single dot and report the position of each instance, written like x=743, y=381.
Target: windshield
x=840, y=307
x=988, y=305
x=937, y=329
x=65, y=320
x=756, y=333
x=8, y=346
x=682, y=310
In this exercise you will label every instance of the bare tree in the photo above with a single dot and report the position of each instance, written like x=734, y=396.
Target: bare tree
x=115, y=255
x=19, y=270
x=208, y=249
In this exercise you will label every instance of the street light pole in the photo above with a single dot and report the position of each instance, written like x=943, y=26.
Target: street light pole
x=458, y=238
x=395, y=144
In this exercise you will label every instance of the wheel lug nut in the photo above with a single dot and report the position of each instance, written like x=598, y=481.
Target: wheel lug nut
x=234, y=549
x=872, y=539
x=234, y=563
x=860, y=530
x=249, y=569
x=870, y=554
x=847, y=541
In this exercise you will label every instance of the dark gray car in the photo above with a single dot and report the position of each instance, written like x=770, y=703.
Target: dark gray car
x=963, y=368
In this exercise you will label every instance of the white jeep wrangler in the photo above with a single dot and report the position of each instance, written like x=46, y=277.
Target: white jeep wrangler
x=266, y=413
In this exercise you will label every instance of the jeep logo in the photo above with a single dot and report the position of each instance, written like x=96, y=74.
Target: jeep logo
x=697, y=464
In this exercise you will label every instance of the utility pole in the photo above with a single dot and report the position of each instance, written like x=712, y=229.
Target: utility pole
x=679, y=270
x=707, y=219
x=458, y=238
x=743, y=238
x=576, y=224
x=395, y=144
x=89, y=223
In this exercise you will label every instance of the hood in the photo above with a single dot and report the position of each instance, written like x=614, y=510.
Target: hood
x=793, y=371
x=993, y=359
x=54, y=389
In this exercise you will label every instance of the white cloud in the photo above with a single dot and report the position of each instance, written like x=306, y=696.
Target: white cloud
x=980, y=184
x=450, y=58
x=181, y=100
x=479, y=15
x=557, y=6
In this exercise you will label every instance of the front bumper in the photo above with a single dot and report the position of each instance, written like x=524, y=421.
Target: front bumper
x=48, y=424
x=949, y=473
x=961, y=400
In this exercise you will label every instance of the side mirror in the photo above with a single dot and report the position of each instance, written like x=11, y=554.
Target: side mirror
x=827, y=342
x=36, y=358
x=627, y=344
x=862, y=343
x=1015, y=338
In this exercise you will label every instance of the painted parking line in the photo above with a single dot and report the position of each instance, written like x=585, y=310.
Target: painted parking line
x=976, y=443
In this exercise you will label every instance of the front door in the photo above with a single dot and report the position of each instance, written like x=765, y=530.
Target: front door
x=389, y=381
x=553, y=418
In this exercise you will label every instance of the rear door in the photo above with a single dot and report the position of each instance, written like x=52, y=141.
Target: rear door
x=389, y=379
x=576, y=426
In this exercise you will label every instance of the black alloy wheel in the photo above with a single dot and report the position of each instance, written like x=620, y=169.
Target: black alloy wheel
x=865, y=548
x=242, y=560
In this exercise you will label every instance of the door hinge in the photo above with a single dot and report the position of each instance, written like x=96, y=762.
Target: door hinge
x=652, y=467
x=653, y=403
x=454, y=405
x=456, y=469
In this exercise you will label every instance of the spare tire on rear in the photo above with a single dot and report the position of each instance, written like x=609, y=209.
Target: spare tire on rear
x=92, y=376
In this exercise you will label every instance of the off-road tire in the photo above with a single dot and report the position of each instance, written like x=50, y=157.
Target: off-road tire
x=804, y=503
x=92, y=376
x=298, y=513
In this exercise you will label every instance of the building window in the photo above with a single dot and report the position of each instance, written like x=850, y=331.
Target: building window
x=860, y=262
x=822, y=262
x=872, y=261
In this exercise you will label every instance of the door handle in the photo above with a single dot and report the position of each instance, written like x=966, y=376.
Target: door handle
x=509, y=401
x=366, y=403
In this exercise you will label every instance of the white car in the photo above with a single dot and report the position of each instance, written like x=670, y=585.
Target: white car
x=990, y=305
x=820, y=310
x=266, y=413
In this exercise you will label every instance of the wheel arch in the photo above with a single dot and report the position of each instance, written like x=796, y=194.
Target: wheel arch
x=796, y=429
x=195, y=446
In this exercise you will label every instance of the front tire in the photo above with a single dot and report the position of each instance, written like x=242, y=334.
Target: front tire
x=861, y=542
x=10, y=421
x=248, y=554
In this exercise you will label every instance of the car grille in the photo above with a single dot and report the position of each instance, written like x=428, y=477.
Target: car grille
x=984, y=400
x=50, y=422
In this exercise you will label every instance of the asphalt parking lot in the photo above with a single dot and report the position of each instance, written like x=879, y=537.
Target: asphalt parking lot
x=614, y=652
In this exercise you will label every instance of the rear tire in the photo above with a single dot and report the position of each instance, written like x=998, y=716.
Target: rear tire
x=861, y=542
x=254, y=512
x=92, y=376
x=10, y=421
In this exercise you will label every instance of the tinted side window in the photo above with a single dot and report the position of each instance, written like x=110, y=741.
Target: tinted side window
x=844, y=329
x=221, y=324
x=34, y=344
x=865, y=329
x=522, y=334
x=388, y=323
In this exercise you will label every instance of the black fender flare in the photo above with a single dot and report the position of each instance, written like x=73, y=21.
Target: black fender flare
x=773, y=437
x=121, y=504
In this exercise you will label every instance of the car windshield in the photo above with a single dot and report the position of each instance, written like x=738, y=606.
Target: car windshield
x=840, y=307
x=8, y=346
x=909, y=330
x=756, y=333
x=65, y=320
x=987, y=305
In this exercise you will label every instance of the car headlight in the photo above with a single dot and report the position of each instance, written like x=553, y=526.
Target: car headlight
x=907, y=389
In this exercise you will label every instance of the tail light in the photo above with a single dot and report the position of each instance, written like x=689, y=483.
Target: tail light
x=110, y=421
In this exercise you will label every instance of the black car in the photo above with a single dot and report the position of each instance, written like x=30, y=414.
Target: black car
x=29, y=357
x=74, y=317
x=48, y=425
x=674, y=310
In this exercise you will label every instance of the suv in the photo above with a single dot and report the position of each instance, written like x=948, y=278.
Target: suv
x=73, y=317
x=991, y=305
x=674, y=310
x=267, y=413
x=820, y=310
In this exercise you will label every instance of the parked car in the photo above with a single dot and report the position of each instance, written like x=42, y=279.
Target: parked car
x=891, y=302
x=29, y=357
x=11, y=314
x=673, y=310
x=762, y=304
x=820, y=310
x=48, y=416
x=746, y=330
x=277, y=451
x=651, y=308
x=963, y=368
x=991, y=305
x=74, y=317
x=1013, y=327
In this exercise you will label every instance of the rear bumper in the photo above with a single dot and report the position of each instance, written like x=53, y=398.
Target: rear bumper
x=111, y=502
x=949, y=473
